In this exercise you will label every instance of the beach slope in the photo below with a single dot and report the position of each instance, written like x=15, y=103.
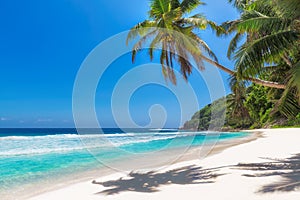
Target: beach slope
x=265, y=168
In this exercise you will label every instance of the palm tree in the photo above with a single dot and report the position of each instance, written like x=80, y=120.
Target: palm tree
x=169, y=29
x=236, y=101
x=271, y=29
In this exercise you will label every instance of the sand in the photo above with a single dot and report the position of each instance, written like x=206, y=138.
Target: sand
x=259, y=167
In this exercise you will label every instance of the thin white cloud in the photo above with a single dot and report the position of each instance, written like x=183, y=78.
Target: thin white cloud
x=3, y=119
x=44, y=120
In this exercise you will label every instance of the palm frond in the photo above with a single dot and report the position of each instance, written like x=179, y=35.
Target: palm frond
x=294, y=79
x=234, y=44
x=250, y=14
x=159, y=7
x=288, y=8
x=239, y=4
x=172, y=15
x=196, y=21
x=204, y=46
x=175, y=4
x=155, y=43
x=218, y=29
x=188, y=5
x=140, y=29
x=287, y=104
x=265, y=49
x=230, y=26
x=182, y=58
x=199, y=21
x=264, y=23
x=137, y=47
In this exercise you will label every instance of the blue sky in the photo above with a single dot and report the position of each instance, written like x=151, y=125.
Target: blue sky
x=42, y=46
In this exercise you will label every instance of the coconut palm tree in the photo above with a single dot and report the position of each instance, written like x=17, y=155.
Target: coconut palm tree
x=270, y=31
x=236, y=101
x=168, y=29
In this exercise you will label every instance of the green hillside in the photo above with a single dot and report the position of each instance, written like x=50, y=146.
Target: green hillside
x=257, y=110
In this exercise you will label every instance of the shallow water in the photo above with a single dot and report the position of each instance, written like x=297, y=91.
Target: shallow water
x=35, y=156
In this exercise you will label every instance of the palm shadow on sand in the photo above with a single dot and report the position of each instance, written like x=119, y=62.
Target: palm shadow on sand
x=288, y=170
x=150, y=182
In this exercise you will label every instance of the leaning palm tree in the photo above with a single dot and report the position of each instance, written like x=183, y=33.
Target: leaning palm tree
x=271, y=29
x=169, y=30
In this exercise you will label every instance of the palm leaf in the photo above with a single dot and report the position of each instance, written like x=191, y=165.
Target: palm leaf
x=204, y=46
x=137, y=47
x=175, y=4
x=140, y=29
x=155, y=43
x=263, y=23
x=159, y=7
x=196, y=21
x=239, y=4
x=289, y=8
x=294, y=79
x=265, y=49
x=188, y=5
x=287, y=104
x=234, y=44
x=172, y=16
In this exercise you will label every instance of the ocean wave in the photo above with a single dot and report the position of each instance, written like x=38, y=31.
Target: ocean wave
x=14, y=138
x=25, y=146
x=101, y=135
x=83, y=136
x=14, y=152
x=164, y=129
x=63, y=136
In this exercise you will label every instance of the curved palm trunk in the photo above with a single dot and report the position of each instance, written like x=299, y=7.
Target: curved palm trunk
x=254, y=80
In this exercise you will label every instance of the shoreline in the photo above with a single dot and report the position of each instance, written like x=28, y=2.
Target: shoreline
x=230, y=180
x=146, y=161
x=139, y=161
x=149, y=162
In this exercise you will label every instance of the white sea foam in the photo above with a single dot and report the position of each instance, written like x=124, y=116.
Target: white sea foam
x=30, y=145
x=164, y=129
x=62, y=136
x=115, y=135
x=16, y=152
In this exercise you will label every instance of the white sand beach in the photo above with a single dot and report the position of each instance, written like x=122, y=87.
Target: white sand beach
x=265, y=168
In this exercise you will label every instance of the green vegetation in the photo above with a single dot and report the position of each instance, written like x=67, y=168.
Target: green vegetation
x=259, y=113
x=269, y=50
x=201, y=120
x=265, y=49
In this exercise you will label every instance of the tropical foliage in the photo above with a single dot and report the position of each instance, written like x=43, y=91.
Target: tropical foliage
x=202, y=120
x=258, y=105
x=268, y=31
x=170, y=31
x=265, y=49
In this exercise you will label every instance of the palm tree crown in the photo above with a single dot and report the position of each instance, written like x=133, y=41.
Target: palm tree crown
x=169, y=30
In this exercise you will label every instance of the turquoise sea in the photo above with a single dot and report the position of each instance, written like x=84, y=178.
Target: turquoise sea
x=32, y=156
